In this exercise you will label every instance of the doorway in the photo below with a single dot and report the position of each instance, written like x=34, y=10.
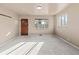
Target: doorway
x=24, y=26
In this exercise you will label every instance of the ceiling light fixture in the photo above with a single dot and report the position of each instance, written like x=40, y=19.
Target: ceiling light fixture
x=39, y=7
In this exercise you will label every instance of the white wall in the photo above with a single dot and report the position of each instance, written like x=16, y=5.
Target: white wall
x=8, y=26
x=33, y=30
x=61, y=6
x=71, y=31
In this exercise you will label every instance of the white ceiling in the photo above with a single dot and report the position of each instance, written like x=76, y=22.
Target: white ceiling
x=30, y=8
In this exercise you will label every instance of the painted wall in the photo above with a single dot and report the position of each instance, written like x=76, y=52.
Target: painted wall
x=8, y=26
x=33, y=30
x=70, y=32
x=60, y=7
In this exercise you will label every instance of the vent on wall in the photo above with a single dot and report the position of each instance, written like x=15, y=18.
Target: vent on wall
x=5, y=15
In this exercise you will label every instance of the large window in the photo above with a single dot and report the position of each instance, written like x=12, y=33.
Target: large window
x=41, y=23
x=62, y=20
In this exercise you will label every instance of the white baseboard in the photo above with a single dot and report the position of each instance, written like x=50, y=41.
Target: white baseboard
x=67, y=41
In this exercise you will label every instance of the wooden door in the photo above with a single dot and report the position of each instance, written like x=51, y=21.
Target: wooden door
x=24, y=26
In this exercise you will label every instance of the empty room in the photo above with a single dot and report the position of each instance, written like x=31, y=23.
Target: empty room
x=39, y=29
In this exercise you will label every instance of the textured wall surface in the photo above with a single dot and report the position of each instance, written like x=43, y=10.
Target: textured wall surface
x=8, y=26
x=71, y=31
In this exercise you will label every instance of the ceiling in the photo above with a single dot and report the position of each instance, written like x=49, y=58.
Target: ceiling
x=31, y=8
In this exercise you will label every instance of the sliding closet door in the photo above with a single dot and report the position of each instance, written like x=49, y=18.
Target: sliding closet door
x=24, y=26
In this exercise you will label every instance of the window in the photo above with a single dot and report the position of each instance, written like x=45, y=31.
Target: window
x=41, y=23
x=62, y=20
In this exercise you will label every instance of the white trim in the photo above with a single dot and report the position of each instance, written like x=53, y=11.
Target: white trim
x=67, y=42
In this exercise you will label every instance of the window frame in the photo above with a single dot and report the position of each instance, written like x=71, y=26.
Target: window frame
x=40, y=26
x=62, y=20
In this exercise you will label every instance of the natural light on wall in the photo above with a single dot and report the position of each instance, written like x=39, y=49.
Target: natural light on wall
x=8, y=33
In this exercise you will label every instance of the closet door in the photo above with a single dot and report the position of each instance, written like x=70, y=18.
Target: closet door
x=24, y=26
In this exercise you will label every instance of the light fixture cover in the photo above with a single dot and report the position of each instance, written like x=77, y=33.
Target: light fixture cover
x=39, y=7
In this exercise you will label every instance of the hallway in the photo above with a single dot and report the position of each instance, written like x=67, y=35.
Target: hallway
x=51, y=45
